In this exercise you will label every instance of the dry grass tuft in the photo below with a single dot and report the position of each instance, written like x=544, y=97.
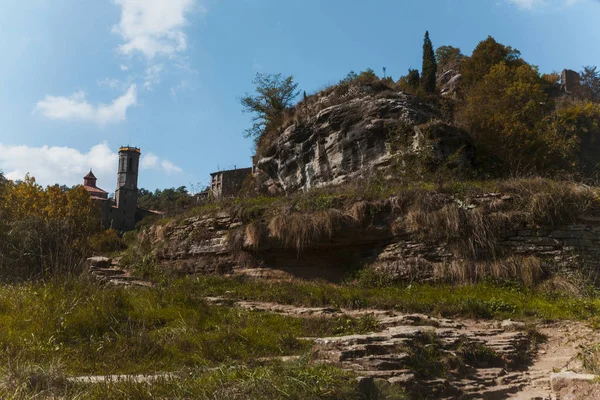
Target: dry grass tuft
x=551, y=202
x=301, y=229
x=256, y=233
x=23, y=380
x=563, y=284
x=359, y=211
x=527, y=270
x=435, y=217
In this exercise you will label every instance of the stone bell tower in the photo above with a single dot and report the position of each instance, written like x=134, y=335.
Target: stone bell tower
x=127, y=189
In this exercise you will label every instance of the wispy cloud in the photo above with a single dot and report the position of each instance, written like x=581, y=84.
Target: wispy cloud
x=180, y=87
x=153, y=27
x=113, y=83
x=534, y=4
x=67, y=165
x=153, y=75
x=151, y=161
x=77, y=108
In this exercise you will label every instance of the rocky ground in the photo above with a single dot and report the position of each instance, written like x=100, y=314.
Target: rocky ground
x=505, y=359
x=530, y=366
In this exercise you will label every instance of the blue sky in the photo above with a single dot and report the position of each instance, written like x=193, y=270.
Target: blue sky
x=79, y=78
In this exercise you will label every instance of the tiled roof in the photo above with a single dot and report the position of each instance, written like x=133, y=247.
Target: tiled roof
x=94, y=190
x=90, y=175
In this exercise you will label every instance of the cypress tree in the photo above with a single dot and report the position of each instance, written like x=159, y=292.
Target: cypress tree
x=429, y=70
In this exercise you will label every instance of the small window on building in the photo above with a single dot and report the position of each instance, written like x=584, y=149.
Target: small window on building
x=129, y=167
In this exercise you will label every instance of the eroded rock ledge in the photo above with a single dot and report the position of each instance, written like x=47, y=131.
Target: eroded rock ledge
x=220, y=244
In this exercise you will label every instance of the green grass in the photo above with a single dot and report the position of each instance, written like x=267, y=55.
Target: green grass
x=90, y=329
x=297, y=380
x=483, y=300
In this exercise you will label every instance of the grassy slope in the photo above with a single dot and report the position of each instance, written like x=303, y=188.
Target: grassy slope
x=297, y=380
x=483, y=300
x=88, y=329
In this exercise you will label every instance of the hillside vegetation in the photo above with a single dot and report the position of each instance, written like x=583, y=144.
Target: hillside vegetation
x=524, y=160
x=520, y=120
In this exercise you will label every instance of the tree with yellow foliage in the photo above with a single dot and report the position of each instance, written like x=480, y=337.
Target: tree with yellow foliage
x=46, y=231
x=509, y=115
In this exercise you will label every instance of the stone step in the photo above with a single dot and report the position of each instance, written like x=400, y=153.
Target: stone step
x=384, y=363
x=107, y=271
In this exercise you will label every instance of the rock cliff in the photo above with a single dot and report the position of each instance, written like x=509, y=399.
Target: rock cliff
x=335, y=144
x=490, y=238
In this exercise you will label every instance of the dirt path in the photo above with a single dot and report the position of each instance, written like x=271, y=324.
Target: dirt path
x=564, y=341
x=377, y=355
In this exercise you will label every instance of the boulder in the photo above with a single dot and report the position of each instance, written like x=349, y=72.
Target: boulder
x=99, y=262
x=572, y=386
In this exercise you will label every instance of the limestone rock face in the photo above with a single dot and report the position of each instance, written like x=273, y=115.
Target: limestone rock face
x=448, y=81
x=194, y=245
x=344, y=141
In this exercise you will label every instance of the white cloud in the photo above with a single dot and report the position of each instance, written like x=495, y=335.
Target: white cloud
x=152, y=76
x=63, y=165
x=169, y=167
x=153, y=27
x=112, y=83
x=527, y=4
x=531, y=4
x=76, y=108
x=124, y=67
x=67, y=166
x=152, y=161
x=149, y=161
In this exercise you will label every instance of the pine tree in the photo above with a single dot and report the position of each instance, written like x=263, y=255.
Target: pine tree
x=429, y=70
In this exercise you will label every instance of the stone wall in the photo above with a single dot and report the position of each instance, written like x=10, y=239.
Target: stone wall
x=565, y=245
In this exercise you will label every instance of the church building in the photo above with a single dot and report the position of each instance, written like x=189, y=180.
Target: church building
x=123, y=213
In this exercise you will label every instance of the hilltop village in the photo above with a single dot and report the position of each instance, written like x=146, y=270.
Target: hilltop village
x=123, y=213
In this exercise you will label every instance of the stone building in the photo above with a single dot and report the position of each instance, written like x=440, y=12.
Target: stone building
x=228, y=183
x=570, y=82
x=123, y=213
x=89, y=184
x=127, y=189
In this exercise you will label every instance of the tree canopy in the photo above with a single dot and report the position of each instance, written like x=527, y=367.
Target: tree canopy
x=487, y=54
x=445, y=55
x=44, y=231
x=167, y=200
x=508, y=114
x=429, y=69
x=590, y=81
x=274, y=93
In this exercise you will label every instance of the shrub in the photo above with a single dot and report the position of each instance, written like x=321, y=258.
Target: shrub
x=107, y=241
x=46, y=231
